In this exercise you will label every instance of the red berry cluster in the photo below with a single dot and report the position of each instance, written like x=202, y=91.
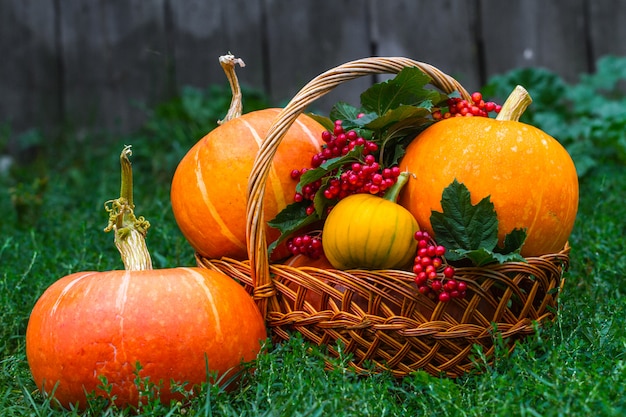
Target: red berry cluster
x=460, y=107
x=366, y=176
x=306, y=244
x=428, y=261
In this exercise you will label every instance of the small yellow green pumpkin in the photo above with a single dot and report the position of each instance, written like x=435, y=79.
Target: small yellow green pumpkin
x=370, y=232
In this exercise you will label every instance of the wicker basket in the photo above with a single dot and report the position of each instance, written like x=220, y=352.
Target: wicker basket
x=379, y=316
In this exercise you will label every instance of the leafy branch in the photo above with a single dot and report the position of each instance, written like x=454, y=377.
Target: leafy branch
x=471, y=231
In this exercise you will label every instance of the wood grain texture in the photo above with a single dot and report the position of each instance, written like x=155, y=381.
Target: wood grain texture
x=94, y=64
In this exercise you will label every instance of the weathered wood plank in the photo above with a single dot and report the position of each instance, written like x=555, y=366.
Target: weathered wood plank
x=441, y=33
x=114, y=55
x=88, y=63
x=535, y=33
x=29, y=72
x=305, y=39
x=204, y=30
x=607, y=32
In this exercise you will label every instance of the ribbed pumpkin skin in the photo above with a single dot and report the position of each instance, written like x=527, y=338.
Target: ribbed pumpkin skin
x=101, y=323
x=208, y=192
x=530, y=177
x=369, y=232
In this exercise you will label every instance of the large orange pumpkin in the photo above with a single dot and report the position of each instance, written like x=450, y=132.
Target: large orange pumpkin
x=176, y=324
x=172, y=322
x=528, y=174
x=209, y=188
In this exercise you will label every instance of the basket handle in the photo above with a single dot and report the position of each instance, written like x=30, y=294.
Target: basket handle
x=322, y=84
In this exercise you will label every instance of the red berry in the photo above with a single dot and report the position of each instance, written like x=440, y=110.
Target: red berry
x=450, y=285
x=423, y=289
x=448, y=272
x=444, y=297
x=421, y=278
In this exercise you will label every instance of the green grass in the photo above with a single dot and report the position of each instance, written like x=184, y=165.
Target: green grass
x=574, y=367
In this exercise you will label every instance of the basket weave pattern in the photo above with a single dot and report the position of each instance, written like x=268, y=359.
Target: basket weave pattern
x=379, y=316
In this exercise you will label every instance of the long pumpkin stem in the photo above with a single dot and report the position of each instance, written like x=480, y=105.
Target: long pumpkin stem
x=228, y=63
x=515, y=105
x=130, y=231
x=393, y=192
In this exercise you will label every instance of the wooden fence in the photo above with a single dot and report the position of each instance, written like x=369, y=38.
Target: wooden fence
x=89, y=62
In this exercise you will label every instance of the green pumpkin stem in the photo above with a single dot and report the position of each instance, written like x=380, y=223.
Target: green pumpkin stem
x=393, y=192
x=228, y=63
x=515, y=105
x=130, y=231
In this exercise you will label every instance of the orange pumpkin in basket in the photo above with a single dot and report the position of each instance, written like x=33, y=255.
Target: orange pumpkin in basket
x=209, y=187
x=530, y=177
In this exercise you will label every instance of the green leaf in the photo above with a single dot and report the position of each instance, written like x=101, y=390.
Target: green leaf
x=512, y=242
x=290, y=219
x=462, y=225
x=344, y=111
x=400, y=114
x=471, y=231
x=479, y=257
x=406, y=88
x=315, y=174
x=397, y=137
x=323, y=120
x=508, y=257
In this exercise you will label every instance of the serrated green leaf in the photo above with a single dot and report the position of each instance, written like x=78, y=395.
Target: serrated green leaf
x=344, y=111
x=462, y=225
x=513, y=242
x=471, y=231
x=397, y=137
x=508, y=257
x=479, y=257
x=323, y=120
x=315, y=174
x=402, y=113
x=359, y=125
x=483, y=256
x=320, y=202
x=290, y=219
x=406, y=88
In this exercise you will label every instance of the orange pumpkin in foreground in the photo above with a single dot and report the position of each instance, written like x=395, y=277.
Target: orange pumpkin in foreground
x=173, y=322
x=101, y=324
x=209, y=188
x=530, y=177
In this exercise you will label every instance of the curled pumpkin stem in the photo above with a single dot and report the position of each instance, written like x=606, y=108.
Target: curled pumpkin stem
x=130, y=231
x=228, y=63
x=515, y=105
x=393, y=192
